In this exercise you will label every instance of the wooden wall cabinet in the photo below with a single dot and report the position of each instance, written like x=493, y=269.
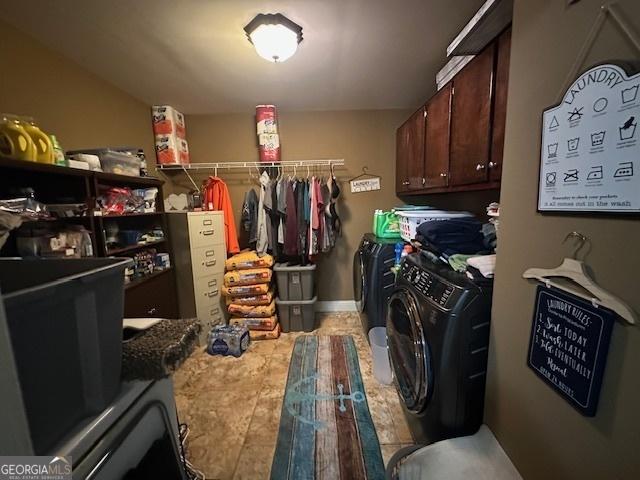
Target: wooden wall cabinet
x=410, y=151
x=463, y=130
x=437, y=138
x=471, y=121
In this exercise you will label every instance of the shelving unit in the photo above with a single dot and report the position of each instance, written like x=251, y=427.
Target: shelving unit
x=146, y=296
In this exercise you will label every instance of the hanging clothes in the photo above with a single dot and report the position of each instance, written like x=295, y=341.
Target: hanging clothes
x=334, y=188
x=328, y=235
x=268, y=206
x=262, y=242
x=291, y=222
x=217, y=197
x=302, y=193
x=249, y=218
x=281, y=193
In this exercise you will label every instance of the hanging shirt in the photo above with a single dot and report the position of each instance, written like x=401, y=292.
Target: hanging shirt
x=291, y=223
x=262, y=237
x=302, y=193
x=249, y=218
x=217, y=198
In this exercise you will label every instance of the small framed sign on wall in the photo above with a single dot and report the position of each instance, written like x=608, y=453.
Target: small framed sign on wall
x=590, y=150
x=569, y=345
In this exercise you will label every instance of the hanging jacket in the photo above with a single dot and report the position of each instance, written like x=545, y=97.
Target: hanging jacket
x=263, y=239
x=216, y=196
x=250, y=215
x=291, y=223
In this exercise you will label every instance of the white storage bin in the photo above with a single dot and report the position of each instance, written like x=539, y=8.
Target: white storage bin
x=409, y=221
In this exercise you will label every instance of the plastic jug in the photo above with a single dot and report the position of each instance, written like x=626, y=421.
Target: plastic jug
x=386, y=225
x=41, y=141
x=15, y=142
x=58, y=153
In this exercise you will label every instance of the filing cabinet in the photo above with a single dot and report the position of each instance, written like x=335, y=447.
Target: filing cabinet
x=198, y=243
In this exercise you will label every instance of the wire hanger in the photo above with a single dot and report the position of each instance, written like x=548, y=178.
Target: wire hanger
x=575, y=270
x=365, y=173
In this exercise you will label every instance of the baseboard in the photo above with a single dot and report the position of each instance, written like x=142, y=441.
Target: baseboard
x=336, y=306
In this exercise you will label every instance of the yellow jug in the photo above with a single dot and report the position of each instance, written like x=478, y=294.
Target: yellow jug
x=41, y=141
x=15, y=141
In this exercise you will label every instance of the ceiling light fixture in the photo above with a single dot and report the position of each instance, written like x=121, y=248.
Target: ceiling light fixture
x=274, y=36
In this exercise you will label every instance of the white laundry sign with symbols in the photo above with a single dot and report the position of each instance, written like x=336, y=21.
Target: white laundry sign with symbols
x=590, y=153
x=365, y=185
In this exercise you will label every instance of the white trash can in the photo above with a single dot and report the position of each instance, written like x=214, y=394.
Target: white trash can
x=381, y=365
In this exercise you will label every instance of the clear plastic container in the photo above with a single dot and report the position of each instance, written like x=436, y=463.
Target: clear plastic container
x=380, y=355
x=114, y=161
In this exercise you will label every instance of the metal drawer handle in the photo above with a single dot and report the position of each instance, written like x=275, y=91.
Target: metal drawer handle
x=209, y=253
x=406, y=182
x=152, y=311
x=213, y=283
x=493, y=164
x=215, y=311
x=207, y=222
x=210, y=263
x=480, y=167
x=443, y=175
x=207, y=232
x=213, y=293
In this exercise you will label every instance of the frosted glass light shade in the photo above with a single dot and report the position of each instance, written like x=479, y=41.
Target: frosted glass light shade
x=274, y=36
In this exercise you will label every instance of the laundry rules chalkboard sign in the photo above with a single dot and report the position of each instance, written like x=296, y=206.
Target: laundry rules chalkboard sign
x=569, y=345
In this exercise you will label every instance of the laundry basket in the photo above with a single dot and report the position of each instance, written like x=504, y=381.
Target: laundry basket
x=379, y=352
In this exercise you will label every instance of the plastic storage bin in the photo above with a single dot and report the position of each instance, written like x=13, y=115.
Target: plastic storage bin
x=410, y=220
x=65, y=323
x=294, y=282
x=296, y=315
x=122, y=162
x=380, y=355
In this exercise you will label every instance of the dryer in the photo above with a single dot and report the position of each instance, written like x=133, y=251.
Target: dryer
x=438, y=336
x=373, y=280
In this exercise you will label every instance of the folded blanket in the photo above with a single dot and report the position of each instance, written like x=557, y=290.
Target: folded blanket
x=158, y=351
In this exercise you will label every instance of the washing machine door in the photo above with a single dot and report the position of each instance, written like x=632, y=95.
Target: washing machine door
x=409, y=351
x=360, y=277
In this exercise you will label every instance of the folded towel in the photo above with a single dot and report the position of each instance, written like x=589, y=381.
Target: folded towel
x=485, y=263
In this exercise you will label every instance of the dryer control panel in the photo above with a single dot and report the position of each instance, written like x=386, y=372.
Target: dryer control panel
x=428, y=284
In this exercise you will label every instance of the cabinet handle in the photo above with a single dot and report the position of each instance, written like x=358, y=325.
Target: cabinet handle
x=424, y=181
x=444, y=175
x=493, y=164
x=210, y=263
x=152, y=311
x=213, y=293
x=215, y=311
x=207, y=222
x=406, y=182
x=207, y=232
x=480, y=167
x=209, y=253
x=213, y=283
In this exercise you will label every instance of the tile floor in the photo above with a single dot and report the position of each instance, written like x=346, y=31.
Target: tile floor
x=232, y=405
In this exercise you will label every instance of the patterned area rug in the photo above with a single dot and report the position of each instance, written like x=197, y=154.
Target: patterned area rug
x=326, y=430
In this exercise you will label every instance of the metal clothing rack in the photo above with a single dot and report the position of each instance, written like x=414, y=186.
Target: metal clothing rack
x=333, y=162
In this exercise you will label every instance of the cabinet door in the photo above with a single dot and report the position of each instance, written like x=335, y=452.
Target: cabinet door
x=436, y=156
x=402, y=158
x=154, y=298
x=500, y=105
x=471, y=120
x=410, y=153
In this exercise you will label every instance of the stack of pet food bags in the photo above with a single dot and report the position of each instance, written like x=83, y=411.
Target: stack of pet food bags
x=249, y=294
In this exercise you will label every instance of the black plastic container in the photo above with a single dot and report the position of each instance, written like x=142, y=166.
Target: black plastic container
x=65, y=323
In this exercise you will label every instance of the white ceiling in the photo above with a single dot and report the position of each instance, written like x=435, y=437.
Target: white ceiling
x=356, y=54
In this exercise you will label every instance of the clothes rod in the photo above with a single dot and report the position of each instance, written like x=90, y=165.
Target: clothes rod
x=234, y=165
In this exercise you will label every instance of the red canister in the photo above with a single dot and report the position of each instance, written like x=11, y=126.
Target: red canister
x=266, y=119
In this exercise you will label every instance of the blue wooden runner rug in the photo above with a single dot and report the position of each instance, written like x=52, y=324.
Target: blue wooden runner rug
x=326, y=430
